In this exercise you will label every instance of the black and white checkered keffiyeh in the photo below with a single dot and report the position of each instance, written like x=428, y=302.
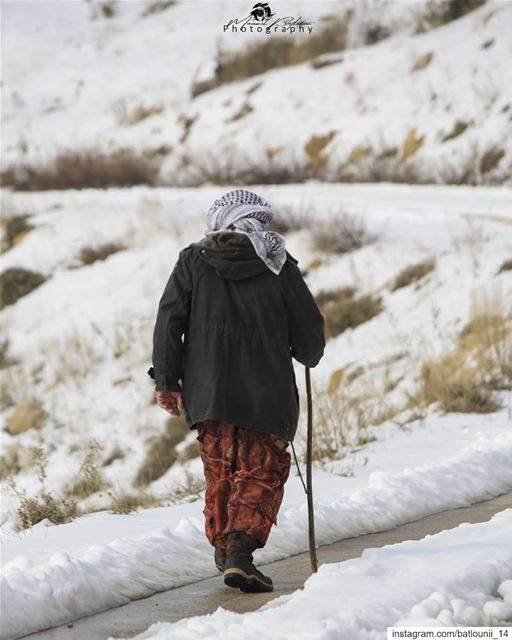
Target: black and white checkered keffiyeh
x=246, y=212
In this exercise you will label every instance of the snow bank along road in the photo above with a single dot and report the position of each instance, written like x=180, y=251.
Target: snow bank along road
x=205, y=596
x=60, y=587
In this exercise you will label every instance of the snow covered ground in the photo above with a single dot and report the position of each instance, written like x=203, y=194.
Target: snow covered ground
x=430, y=582
x=406, y=475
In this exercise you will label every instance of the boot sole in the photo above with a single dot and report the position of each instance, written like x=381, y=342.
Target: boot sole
x=238, y=579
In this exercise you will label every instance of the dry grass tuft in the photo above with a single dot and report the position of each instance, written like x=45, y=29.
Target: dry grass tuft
x=487, y=338
x=14, y=228
x=458, y=129
x=157, y=6
x=189, y=490
x=342, y=311
x=358, y=152
x=124, y=503
x=412, y=143
x=244, y=110
x=88, y=479
x=16, y=283
x=491, y=159
x=423, y=61
x=89, y=255
x=315, y=146
x=142, y=112
x=506, y=266
x=14, y=459
x=464, y=380
x=44, y=505
x=413, y=273
x=334, y=295
x=342, y=422
x=456, y=386
x=439, y=12
x=343, y=234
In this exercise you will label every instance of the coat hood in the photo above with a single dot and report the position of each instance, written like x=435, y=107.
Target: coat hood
x=232, y=256
x=233, y=263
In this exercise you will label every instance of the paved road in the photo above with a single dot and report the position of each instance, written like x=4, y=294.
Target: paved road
x=288, y=575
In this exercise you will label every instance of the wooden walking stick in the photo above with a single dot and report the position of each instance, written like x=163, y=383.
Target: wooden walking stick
x=309, y=455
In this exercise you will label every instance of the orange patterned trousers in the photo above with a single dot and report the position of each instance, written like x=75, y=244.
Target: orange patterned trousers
x=245, y=472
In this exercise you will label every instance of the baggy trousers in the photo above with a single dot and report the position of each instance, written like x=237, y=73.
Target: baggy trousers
x=245, y=472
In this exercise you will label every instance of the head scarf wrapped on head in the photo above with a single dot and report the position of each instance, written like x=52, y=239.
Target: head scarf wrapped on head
x=248, y=213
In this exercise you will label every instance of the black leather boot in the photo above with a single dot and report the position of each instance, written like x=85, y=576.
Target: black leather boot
x=239, y=571
x=219, y=558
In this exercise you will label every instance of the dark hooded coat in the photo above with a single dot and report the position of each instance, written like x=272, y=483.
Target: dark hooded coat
x=226, y=331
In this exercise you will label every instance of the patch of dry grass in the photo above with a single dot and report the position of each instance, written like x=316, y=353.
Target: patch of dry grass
x=89, y=478
x=465, y=379
x=342, y=421
x=128, y=502
x=490, y=159
x=413, y=273
x=315, y=146
x=341, y=235
x=458, y=129
x=44, y=505
x=506, y=266
x=363, y=163
x=15, y=227
x=190, y=489
x=456, y=386
x=423, y=61
x=236, y=166
x=438, y=12
x=488, y=339
x=274, y=52
x=411, y=144
x=16, y=283
x=157, y=6
x=91, y=254
x=142, y=112
x=83, y=168
x=342, y=310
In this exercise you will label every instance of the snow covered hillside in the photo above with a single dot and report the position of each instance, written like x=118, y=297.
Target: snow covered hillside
x=79, y=344
x=395, y=99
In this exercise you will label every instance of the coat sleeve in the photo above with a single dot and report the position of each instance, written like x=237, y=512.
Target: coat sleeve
x=171, y=323
x=305, y=322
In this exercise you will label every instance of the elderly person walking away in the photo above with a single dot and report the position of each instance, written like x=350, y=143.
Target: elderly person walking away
x=234, y=312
